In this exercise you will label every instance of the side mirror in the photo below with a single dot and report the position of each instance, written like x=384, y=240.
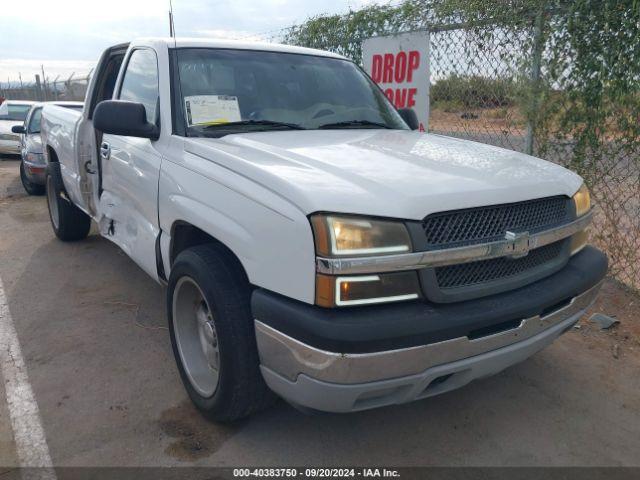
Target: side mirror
x=410, y=118
x=129, y=119
x=18, y=129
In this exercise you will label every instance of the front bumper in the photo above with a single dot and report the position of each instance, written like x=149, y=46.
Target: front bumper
x=35, y=172
x=306, y=373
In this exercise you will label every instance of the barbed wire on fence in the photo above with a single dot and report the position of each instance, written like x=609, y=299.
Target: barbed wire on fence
x=43, y=88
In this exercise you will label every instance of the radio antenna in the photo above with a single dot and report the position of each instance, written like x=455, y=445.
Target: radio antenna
x=172, y=27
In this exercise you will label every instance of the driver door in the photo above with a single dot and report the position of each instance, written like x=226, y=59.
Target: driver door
x=131, y=168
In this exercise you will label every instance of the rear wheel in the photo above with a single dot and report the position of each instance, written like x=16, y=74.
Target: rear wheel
x=212, y=334
x=30, y=187
x=68, y=221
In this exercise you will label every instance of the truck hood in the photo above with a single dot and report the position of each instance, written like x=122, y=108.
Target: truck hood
x=401, y=174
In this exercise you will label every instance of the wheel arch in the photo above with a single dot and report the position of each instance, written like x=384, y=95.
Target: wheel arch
x=184, y=235
x=52, y=156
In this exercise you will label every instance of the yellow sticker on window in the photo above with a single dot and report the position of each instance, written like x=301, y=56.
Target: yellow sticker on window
x=211, y=109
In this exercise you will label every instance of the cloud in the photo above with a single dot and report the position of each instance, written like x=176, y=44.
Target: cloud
x=54, y=33
x=79, y=12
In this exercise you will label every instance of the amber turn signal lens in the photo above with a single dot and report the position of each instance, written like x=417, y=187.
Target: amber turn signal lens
x=579, y=241
x=325, y=291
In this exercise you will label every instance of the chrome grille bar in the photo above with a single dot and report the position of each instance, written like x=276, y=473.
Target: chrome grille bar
x=450, y=256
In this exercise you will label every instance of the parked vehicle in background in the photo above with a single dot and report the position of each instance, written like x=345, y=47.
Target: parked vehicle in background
x=32, y=165
x=312, y=244
x=12, y=113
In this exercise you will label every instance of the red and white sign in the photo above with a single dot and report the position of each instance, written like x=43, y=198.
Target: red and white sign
x=399, y=64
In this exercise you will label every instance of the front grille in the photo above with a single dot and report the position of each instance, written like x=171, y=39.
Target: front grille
x=484, y=271
x=485, y=224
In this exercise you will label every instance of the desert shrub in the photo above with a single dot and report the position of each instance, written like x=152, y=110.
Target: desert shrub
x=473, y=92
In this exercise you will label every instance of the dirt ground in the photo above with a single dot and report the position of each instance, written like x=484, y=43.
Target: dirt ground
x=93, y=334
x=478, y=120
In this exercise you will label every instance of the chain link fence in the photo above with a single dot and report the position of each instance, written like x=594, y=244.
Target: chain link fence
x=495, y=88
x=475, y=87
x=503, y=84
x=44, y=89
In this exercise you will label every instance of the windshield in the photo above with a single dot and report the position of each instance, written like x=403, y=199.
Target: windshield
x=15, y=112
x=231, y=91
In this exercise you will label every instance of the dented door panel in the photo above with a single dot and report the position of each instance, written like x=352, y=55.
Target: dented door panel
x=129, y=198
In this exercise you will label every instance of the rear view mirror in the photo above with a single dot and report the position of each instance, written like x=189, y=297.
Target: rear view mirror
x=129, y=119
x=18, y=129
x=410, y=118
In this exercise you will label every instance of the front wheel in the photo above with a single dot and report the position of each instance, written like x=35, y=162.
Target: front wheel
x=68, y=221
x=212, y=334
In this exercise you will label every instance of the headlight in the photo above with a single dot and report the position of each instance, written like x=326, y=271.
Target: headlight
x=337, y=235
x=342, y=236
x=582, y=200
x=35, y=158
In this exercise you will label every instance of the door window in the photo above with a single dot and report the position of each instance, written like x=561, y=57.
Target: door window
x=140, y=82
x=34, y=122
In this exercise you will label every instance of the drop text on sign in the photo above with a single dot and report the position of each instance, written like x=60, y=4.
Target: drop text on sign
x=397, y=68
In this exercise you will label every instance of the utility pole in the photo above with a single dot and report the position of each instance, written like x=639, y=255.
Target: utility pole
x=38, y=88
x=44, y=84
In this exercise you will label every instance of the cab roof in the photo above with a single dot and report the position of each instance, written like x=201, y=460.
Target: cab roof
x=234, y=44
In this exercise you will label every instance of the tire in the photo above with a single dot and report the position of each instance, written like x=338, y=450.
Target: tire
x=208, y=291
x=68, y=221
x=30, y=187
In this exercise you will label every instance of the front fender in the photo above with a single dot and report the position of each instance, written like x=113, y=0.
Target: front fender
x=271, y=238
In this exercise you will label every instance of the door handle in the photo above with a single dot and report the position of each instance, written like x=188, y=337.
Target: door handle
x=87, y=168
x=105, y=151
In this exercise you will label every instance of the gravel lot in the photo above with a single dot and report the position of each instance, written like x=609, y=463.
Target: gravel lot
x=92, y=329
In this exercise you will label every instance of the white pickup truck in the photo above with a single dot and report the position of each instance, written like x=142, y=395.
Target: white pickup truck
x=311, y=243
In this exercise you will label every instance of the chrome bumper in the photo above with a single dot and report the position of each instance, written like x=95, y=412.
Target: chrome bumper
x=294, y=369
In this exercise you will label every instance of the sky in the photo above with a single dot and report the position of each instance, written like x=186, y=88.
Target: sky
x=67, y=36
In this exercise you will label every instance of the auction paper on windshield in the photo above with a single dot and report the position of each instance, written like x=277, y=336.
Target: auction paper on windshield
x=211, y=109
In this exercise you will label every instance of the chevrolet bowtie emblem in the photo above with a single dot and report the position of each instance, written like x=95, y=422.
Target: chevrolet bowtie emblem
x=518, y=244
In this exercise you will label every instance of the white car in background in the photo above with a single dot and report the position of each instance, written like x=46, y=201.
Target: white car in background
x=33, y=166
x=12, y=113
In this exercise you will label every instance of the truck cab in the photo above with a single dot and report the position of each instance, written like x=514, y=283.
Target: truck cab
x=312, y=243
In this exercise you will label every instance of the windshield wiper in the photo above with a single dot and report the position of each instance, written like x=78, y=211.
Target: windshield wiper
x=355, y=124
x=266, y=123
